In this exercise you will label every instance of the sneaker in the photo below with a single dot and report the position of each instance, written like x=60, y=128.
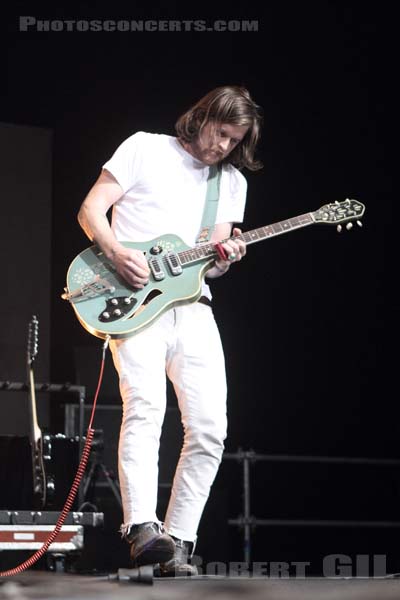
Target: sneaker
x=149, y=544
x=179, y=565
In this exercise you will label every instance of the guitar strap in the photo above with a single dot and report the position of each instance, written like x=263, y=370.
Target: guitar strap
x=210, y=205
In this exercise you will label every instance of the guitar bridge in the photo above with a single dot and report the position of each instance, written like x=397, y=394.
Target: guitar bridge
x=96, y=287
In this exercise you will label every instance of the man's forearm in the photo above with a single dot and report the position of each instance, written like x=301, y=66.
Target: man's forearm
x=97, y=228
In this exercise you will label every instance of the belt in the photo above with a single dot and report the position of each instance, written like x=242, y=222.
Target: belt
x=205, y=300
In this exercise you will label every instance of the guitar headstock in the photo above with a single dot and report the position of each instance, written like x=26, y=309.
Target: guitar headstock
x=336, y=213
x=33, y=339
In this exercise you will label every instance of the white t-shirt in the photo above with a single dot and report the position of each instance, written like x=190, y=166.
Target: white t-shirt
x=165, y=189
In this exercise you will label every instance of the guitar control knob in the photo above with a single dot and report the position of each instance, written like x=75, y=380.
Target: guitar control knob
x=127, y=301
x=349, y=226
x=156, y=250
x=117, y=312
x=106, y=315
x=114, y=301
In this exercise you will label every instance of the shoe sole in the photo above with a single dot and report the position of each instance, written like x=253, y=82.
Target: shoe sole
x=156, y=551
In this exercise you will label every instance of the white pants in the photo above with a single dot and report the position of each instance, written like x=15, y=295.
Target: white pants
x=185, y=343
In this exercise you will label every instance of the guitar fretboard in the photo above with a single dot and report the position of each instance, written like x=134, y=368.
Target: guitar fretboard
x=249, y=237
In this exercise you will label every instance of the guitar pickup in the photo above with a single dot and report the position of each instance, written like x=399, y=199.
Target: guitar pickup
x=174, y=263
x=156, y=269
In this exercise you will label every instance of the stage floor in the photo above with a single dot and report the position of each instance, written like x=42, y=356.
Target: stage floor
x=47, y=586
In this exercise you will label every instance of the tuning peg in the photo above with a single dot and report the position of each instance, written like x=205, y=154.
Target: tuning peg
x=339, y=228
x=349, y=226
x=359, y=223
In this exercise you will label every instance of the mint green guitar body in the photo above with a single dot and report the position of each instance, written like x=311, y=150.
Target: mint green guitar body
x=106, y=305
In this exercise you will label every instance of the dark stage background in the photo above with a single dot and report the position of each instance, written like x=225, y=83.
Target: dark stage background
x=308, y=319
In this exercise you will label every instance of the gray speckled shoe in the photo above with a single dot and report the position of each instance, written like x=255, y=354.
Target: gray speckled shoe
x=179, y=565
x=149, y=544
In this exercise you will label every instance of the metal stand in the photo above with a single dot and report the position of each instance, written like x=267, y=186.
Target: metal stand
x=98, y=468
x=248, y=523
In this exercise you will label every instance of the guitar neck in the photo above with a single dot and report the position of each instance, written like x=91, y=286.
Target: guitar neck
x=249, y=237
x=35, y=431
x=268, y=231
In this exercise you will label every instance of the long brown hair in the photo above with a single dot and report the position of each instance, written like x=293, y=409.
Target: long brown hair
x=228, y=104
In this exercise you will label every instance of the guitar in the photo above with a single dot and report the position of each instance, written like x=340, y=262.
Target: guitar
x=35, y=434
x=106, y=305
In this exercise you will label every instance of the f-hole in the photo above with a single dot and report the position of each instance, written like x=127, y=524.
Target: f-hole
x=151, y=295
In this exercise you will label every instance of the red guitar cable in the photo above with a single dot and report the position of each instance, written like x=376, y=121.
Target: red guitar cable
x=74, y=487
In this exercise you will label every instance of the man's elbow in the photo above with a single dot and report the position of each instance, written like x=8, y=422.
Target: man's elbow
x=81, y=216
x=83, y=220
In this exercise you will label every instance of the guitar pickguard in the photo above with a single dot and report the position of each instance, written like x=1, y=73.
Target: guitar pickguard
x=116, y=308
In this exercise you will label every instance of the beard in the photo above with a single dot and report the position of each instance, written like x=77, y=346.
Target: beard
x=210, y=154
x=207, y=154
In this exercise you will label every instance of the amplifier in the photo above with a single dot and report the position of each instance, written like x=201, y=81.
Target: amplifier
x=60, y=462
